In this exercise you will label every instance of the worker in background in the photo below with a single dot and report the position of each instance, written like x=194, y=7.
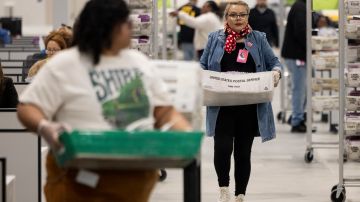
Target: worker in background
x=209, y=21
x=56, y=41
x=5, y=36
x=72, y=90
x=324, y=26
x=294, y=52
x=186, y=34
x=8, y=94
x=263, y=19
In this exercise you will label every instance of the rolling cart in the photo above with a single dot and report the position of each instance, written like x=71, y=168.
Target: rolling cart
x=338, y=192
x=317, y=103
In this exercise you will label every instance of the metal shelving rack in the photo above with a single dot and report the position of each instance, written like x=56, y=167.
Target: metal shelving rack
x=310, y=144
x=338, y=192
x=150, y=6
x=168, y=33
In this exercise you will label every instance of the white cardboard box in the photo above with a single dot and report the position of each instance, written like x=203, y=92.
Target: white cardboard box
x=229, y=89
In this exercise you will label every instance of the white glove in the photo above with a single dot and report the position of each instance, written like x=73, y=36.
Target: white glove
x=276, y=76
x=50, y=132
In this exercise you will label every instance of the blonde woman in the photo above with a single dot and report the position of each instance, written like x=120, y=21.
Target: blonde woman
x=54, y=42
x=234, y=127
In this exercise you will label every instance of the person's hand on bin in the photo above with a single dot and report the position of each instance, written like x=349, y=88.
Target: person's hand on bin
x=50, y=131
x=276, y=75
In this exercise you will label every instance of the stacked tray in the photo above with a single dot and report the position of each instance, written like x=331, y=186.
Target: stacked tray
x=352, y=74
x=325, y=103
x=324, y=43
x=124, y=150
x=141, y=43
x=353, y=53
x=352, y=7
x=320, y=84
x=140, y=3
x=352, y=124
x=352, y=147
x=141, y=24
x=353, y=101
x=352, y=30
x=328, y=61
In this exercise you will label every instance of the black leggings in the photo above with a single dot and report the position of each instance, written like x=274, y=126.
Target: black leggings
x=230, y=136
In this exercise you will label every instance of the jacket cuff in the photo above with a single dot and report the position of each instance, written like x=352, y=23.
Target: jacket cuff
x=278, y=69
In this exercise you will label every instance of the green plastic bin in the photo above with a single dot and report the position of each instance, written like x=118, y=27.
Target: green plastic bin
x=128, y=150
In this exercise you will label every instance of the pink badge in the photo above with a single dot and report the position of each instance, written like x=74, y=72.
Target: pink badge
x=249, y=44
x=242, y=56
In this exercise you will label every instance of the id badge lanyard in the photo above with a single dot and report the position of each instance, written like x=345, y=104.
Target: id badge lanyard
x=242, y=56
x=244, y=53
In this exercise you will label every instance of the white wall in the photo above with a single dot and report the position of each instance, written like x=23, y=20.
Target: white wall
x=39, y=16
x=75, y=7
x=33, y=12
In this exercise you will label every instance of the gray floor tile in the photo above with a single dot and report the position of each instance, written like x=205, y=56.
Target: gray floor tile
x=279, y=173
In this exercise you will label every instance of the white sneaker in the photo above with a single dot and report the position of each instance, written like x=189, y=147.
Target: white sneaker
x=240, y=198
x=224, y=194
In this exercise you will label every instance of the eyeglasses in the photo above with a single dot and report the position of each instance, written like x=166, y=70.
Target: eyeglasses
x=66, y=26
x=52, y=50
x=234, y=16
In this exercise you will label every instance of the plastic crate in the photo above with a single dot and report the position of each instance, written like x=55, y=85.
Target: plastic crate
x=123, y=150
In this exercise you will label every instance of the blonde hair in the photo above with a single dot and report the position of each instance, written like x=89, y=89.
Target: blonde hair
x=235, y=3
x=61, y=37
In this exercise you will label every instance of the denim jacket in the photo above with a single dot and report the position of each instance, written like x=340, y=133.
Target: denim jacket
x=264, y=59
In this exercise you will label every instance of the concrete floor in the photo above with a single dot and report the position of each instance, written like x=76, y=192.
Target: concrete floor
x=279, y=173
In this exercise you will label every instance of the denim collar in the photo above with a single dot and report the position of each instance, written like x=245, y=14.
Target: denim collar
x=222, y=35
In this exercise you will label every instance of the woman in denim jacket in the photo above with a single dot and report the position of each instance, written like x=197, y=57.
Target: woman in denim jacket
x=234, y=127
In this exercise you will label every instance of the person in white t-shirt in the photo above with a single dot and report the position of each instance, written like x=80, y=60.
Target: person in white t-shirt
x=209, y=21
x=99, y=84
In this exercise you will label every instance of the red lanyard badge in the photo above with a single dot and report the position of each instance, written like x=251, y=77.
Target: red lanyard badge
x=242, y=56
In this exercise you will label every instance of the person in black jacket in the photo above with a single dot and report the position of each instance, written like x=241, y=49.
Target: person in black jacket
x=186, y=34
x=8, y=94
x=294, y=52
x=263, y=19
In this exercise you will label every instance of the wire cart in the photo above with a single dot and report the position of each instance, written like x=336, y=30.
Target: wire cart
x=318, y=103
x=338, y=192
x=326, y=72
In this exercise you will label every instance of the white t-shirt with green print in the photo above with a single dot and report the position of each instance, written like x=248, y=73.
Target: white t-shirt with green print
x=119, y=91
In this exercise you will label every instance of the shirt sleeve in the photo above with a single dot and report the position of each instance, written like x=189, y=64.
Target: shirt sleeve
x=200, y=22
x=45, y=91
